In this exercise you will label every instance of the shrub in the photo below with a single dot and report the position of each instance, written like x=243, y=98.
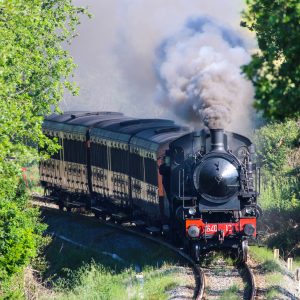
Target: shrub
x=278, y=153
x=20, y=237
x=275, y=142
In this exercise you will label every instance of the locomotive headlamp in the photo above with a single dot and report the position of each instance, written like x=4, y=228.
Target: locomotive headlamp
x=249, y=229
x=193, y=231
x=192, y=211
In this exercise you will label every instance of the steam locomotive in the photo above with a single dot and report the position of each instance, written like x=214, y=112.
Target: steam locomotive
x=198, y=187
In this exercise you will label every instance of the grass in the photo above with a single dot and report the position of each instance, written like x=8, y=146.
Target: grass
x=99, y=239
x=93, y=281
x=78, y=273
x=231, y=293
x=266, y=258
x=64, y=258
x=213, y=256
x=273, y=278
x=13, y=287
x=273, y=272
x=296, y=263
x=271, y=294
x=74, y=273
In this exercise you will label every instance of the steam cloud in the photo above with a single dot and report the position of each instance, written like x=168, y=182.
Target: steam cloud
x=116, y=54
x=200, y=75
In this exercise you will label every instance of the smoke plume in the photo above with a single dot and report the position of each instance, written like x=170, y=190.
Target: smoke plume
x=116, y=53
x=200, y=75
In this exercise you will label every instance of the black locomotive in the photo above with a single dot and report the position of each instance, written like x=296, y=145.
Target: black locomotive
x=199, y=187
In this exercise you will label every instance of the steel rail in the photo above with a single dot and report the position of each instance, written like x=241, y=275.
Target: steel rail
x=252, y=293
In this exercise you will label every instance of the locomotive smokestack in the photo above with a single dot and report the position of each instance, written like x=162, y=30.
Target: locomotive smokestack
x=217, y=140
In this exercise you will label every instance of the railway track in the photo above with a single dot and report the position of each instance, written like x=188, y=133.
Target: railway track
x=252, y=292
x=228, y=280
x=199, y=273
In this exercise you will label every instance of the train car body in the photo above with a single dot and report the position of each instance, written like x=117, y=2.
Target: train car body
x=201, y=185
x=107, y=159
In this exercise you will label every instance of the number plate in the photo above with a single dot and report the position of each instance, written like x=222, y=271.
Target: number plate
x=211, y=228
x=214, y=228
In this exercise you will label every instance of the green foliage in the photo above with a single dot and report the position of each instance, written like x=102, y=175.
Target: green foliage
x=272, y=294
x=270, y=266
x=231, y=293
x=275, y=142
x=273, y=270
x=275, y=69
x=34, y=72
x=279, y=192
x=265, y=257
x=280, y=182
x=34, y=69
x=20, y=237
x=13, y=288
x=261, y=254
x=95, y=282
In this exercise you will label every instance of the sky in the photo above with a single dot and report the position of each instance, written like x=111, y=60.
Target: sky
x=116, y=50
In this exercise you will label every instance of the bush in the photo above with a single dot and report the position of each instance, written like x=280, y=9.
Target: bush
x=277, y=147
x=34, y=76
x=275, y=142
x=20, y=229
x=279, y=191
x=20, y=236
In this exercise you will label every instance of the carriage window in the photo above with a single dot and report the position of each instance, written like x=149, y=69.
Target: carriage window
x=99, y=155
x=74, y=151
x=119, y=160
x=137, y=166
x=150, y=171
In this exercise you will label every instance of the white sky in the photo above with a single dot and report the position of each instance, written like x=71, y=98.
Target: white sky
x=115, y=50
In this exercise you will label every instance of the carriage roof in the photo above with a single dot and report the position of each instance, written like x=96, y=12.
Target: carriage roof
x=145, y=133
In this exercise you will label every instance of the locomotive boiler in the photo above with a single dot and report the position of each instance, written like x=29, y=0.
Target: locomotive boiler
x=199, y=187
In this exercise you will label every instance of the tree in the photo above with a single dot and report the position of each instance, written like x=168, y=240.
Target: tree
x=275, y=70
x=34, y=73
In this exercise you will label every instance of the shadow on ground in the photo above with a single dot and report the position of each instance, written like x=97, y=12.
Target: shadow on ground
x=79, y=240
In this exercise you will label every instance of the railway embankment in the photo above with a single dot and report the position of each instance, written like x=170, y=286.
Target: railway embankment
x=86, y=258
x=273, y=279
x=85, y=255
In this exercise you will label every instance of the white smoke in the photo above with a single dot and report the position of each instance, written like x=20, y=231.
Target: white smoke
x=116, y=50
x=200, y=75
